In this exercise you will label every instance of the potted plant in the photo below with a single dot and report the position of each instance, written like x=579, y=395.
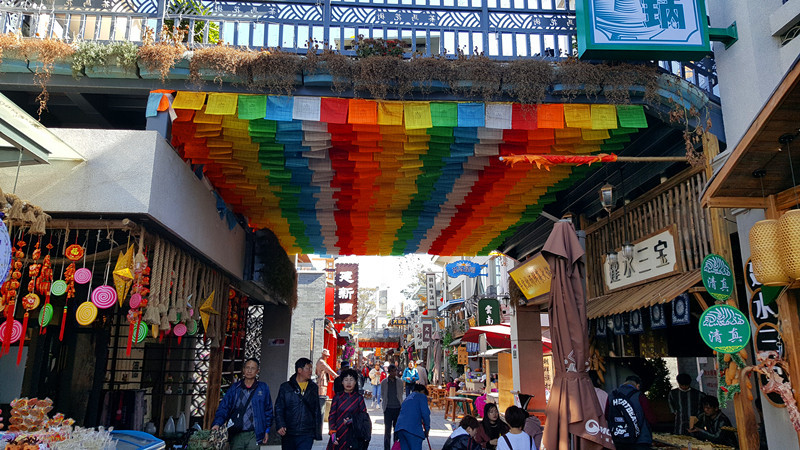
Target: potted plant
x=115, y=60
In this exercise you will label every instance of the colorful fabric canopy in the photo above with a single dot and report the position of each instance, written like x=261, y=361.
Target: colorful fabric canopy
x=351, y=176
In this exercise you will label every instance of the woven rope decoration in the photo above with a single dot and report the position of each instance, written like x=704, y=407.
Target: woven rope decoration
x=789, y=242
x=765, y=254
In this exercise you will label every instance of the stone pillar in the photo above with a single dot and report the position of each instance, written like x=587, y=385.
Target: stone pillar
x=526, y=348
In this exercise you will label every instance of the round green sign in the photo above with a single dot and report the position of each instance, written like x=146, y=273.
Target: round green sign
x=724, y=328
x=717, y=277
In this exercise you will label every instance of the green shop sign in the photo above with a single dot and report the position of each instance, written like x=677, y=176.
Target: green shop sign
x=717, y=277
x=488, y=312
x=642, y=29
x=724, y=329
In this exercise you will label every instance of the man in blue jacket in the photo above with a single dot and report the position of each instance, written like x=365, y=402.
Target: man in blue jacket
x=298, y=417
x=414, y=422
x=246, y=410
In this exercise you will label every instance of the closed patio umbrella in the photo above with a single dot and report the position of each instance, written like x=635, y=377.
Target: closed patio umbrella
x=573, y=408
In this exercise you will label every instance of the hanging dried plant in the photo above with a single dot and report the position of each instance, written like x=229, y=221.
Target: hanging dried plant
x=478, y=76
x=165, y=53
x=274, y=71
x=46, y=52
x=219, y=61
x=378, y=75
x=426, y=74
x=529, y=79
x=9, y=45
x=322, y=58
x=620, y=79
x=578, y=77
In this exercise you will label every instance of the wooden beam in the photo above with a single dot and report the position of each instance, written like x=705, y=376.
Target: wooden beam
x=644, y=199
x=92, y=224
x=788, y=83
x=736, y=202
x=699, y=297
x=787, y=199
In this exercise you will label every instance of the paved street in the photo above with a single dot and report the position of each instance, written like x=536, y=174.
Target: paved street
x=440, y=430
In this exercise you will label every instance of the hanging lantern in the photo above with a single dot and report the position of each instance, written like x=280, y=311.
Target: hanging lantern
x=607, y=197
x=765, y=254
x=627, y=250
x=611, y=257
x=788, y=237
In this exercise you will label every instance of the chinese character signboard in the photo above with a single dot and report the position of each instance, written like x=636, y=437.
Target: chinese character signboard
x=398, y=322
x=430, y=284
x=463, y=267
x=724, y=328
x=488, y=312
x=345, y=299
x=655, y=256
x=533, y=277
x=642, y=29
x=462, y=355
x=717, y=277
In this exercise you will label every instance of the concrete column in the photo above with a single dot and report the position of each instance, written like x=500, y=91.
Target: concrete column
x=274, y=352
x=527, y=355
x=310, y=306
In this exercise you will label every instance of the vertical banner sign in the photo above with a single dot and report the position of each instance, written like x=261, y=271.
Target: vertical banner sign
x=345, y=299
x=488, y=312
x=430, y=284
x=462, y=355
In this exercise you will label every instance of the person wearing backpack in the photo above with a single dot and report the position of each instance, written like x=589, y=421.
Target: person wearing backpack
x=516, y=439
x=629, y=416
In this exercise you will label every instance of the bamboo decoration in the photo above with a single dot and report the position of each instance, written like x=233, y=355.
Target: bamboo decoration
x=788, y=242
x=765, y=254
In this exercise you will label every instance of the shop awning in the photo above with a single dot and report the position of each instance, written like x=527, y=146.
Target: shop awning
x=22, y=135
x=451, y=303
x=734, y=185
x=642, y=296
x=456, y=342
x=491, y=353
x=498, y=336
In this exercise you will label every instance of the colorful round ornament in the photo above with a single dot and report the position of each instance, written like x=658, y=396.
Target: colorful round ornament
x=179, y=329
x=30, y=301
x=142, y=333
x=86, y=313
x=192, y=328
x=16, y=331
x=135, y=300
x=74, y=252
x=104, y=296
x=83, y=276
x=45, y=315
x=59, y=287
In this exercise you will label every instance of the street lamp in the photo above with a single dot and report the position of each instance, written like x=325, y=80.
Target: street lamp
x=607, y=197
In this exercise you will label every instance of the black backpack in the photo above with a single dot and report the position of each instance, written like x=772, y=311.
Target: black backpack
x=624, y=423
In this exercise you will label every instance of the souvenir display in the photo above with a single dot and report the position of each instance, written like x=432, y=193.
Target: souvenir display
x=83, y=276
x=10, y=334
x=45, y=315
x=86, y=313
x=104, y=296
x=74, y=252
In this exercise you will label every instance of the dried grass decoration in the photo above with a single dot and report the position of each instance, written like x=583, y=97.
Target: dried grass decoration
x=162, y=55
x=46, y=52
x=325, y=59
x=219, y=61
x=272, y=71
x=529, y=79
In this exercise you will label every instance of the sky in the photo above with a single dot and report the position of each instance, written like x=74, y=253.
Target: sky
x=391, y=272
